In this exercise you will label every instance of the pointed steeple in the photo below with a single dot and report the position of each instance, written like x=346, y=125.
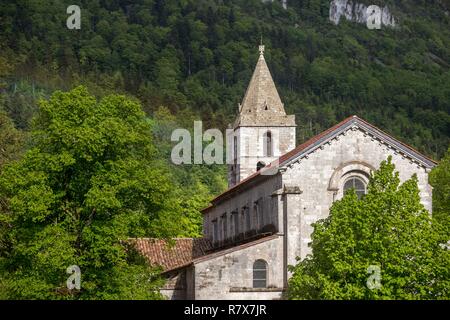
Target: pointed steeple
x=262, y=105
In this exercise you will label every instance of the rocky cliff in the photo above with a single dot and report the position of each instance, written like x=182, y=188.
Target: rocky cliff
x=357, y=12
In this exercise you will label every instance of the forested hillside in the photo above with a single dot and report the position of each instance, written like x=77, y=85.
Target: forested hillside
x=192, y=59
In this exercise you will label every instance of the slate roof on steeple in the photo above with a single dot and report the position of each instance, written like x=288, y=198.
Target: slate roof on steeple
x=262, y=105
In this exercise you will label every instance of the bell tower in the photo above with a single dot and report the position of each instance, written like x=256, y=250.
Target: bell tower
x=262, y=131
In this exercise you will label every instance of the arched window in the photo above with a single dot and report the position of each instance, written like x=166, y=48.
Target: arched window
x=260, y=274
x=268, y=144
x=356, y=183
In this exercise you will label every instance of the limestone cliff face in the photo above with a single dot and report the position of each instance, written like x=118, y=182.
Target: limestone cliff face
x=357, y=12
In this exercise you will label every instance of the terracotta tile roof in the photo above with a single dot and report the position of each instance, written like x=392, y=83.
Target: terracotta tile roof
x=311, y=142
x=172, y=256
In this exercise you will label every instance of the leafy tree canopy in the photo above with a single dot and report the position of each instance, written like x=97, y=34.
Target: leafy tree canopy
x=440, y=180
x=87, y=184
x=11, y=140
x=389, y=229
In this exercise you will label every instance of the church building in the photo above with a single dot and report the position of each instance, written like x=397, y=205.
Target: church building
x=258, y=227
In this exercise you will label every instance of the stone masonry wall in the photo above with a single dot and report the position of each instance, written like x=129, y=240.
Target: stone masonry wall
x=360, y=151
x=246, y=198
x=251, y=146
x=230, y=276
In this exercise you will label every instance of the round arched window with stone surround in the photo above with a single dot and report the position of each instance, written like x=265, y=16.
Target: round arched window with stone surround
x=356, y=183
x=344, y=173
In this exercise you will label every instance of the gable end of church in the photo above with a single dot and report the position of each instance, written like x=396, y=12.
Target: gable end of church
x=356, y=123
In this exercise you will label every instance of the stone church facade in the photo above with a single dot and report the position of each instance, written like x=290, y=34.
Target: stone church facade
x=262, y=223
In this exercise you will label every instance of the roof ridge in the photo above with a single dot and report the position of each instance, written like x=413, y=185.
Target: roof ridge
x=397, y=140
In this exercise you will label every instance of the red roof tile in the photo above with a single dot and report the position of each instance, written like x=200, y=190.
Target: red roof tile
x=169, y=256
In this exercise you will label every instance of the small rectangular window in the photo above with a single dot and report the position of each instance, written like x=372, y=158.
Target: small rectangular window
x=235, y=149
x=248, y=221
x=224, y=227
x=257, y=214
x=215, y=235
x=236, y=223
x=260, y=213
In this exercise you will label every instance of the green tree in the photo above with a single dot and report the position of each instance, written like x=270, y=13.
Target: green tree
x=5, y=70
x=85, y=186
x=11, y=140
x=194, y=185
x=389, y=229
x=440, y=180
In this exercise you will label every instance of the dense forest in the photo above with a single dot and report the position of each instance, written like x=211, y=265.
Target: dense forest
x=192, y=59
